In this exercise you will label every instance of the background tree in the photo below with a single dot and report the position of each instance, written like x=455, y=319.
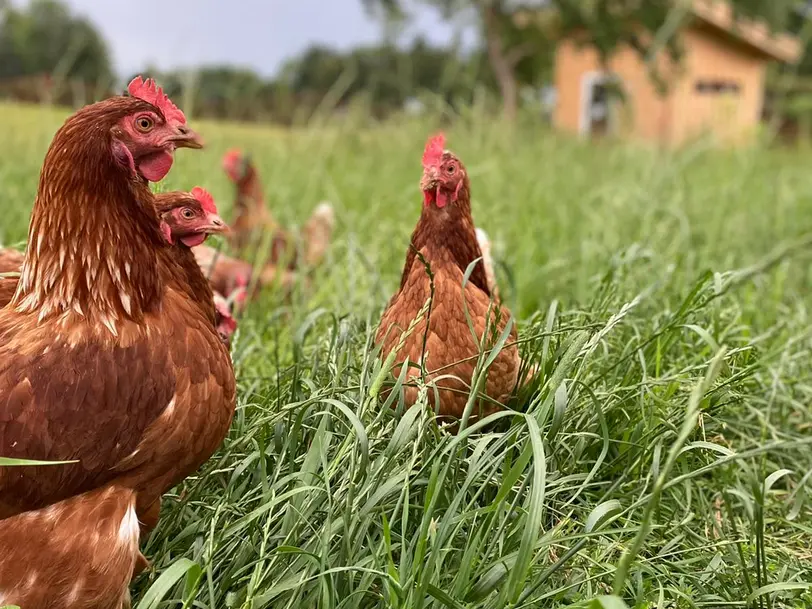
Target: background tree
x=46, y=43
x=507, y=42
x=322, y=80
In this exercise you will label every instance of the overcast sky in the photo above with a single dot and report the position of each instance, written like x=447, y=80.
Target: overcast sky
x=262, y=35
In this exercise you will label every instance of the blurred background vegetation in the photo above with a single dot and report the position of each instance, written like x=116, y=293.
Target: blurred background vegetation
x=49, y=55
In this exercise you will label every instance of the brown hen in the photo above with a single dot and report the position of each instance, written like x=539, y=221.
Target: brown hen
x=253, y=219
x=187, y=219
x=105, y=358
x=445, y=238
x=231, y=276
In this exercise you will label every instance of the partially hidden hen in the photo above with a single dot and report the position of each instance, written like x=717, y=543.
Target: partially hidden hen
x=188, y=218
x=253, y=219
x=433, y=330
x=226, y=323
x=107, y=358
x=232, y=277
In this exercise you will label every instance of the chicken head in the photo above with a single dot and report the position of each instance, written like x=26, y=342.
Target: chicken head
x=236, y=165
x=144, y=141
x=444, y=176
x=189, y=217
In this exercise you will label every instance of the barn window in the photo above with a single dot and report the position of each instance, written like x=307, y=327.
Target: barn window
x=717, y=87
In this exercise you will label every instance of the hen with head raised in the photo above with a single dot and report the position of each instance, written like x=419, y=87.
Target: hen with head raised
x=432, y=328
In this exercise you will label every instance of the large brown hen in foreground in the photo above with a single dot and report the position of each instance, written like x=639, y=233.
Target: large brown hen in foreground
x=187, y=218
x=445, y=238
x=104, y=356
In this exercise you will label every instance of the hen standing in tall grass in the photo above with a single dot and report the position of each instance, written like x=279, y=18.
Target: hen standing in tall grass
x=445, y=238
x=104, y=358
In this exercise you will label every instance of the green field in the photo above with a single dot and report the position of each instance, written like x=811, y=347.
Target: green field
x=665, y=452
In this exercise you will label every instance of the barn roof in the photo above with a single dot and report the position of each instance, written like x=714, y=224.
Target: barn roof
x=718, y=15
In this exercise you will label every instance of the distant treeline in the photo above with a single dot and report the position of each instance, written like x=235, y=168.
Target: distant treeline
x=384, y=79
x=49, y=55
x=43, y=47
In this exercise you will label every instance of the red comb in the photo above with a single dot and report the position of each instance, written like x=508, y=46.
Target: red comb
x=151, y=93
x=433, y=154
x=205, y=199
x=232, y=156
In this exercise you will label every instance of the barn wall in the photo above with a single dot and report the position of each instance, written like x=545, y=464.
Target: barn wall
x=647, y=114
x=686, y=112
x=710, y=60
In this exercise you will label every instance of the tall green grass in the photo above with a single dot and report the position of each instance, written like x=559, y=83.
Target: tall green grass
x=663, y=454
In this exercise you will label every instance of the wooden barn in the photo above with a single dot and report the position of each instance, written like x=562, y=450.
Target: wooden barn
x=717, y=89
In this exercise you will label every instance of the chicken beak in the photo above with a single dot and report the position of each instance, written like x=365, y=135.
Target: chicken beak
x=186, y=137
x=214, y=225
x=429, y=179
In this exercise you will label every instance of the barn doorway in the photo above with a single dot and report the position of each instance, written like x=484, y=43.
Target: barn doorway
x=600, y=95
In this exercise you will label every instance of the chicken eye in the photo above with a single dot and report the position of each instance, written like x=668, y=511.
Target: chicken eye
x=144, y=124
x=450, y=169
x=187, y=213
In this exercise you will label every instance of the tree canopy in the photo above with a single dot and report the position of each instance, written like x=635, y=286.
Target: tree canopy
x=518, y=52
x=385, y=77
x=46, y=43
x=519, y=35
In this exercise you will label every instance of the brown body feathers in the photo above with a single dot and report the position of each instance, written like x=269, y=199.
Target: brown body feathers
x=75, y=554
